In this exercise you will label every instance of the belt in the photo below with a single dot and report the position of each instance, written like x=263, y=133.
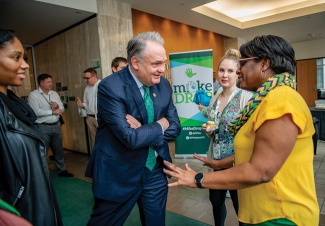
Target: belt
x=91, y=116
x=49, y=124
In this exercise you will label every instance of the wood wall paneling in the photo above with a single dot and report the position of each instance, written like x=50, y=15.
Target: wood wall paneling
x=65, y=57
x=307, y=80
x=179, y=37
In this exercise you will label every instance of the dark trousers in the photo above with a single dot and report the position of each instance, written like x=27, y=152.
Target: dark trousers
x=217, y=198
x=150, y=195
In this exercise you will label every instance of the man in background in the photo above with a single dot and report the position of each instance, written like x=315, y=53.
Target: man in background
x=48, y=107
x=90, y=101
x=137, y=119
x=118, y=63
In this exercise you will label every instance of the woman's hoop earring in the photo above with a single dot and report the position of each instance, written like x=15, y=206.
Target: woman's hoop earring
x=263, y=74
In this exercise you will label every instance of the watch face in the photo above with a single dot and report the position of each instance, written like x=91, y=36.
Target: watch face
x=198, y=177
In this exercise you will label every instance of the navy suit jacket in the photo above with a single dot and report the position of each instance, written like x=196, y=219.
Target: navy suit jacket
x=120, y=152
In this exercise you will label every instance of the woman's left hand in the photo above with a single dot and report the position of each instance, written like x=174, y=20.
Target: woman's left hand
x=207, y=162
x=184, y=177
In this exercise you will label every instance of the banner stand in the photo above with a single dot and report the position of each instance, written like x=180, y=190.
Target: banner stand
x=191, y=71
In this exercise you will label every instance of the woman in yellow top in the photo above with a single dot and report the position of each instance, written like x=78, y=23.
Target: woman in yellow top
x=273, y=143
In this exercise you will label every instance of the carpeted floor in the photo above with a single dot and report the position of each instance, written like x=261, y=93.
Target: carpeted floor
x=76, y=200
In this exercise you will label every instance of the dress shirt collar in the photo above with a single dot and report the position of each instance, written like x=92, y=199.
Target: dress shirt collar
x=41, y=91
x=139, y=84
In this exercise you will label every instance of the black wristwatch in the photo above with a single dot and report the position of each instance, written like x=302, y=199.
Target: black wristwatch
x=198, y=179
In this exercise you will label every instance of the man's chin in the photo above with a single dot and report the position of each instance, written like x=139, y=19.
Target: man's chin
x=156, y=81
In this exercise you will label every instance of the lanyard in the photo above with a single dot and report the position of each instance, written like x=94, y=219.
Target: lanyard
x=48, y=101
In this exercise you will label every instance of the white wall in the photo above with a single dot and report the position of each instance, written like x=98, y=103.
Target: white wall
x=310, y=49
x=85, y=5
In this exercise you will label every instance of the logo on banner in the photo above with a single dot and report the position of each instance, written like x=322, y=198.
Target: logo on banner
x=189, y=72
x=184, y=93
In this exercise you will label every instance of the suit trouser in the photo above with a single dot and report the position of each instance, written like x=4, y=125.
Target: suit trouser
x=150, y=195
x=92, y=129
x=53, y=138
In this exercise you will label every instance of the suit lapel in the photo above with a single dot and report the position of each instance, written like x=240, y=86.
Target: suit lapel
x=133, y=90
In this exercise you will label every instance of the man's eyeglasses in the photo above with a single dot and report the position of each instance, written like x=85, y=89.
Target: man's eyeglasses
x=243, y=61
x=87, y=78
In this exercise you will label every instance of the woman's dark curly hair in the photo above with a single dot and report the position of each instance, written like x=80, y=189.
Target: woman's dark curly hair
x=276, y=49
x=6, y=37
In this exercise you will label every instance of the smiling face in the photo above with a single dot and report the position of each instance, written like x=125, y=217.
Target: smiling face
x=12, y=65
x=149, y=69
x=227, y=73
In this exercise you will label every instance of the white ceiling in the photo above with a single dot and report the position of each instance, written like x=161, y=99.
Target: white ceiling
x=34, y=21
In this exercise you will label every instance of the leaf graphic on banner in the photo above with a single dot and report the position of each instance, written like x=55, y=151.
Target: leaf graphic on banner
x=189, y=72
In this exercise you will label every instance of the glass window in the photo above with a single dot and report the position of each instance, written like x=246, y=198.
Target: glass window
x=320, y=73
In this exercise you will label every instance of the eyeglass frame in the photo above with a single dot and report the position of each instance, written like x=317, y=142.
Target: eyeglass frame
x=245, y=59
x=87, y=78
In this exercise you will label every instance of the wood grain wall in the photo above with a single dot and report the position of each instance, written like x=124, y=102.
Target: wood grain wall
x=65, y=57
x=179, y=37
x=307, y=80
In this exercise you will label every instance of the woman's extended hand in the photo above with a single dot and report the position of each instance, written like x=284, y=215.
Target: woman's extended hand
x=184, y=177
x=207, y=162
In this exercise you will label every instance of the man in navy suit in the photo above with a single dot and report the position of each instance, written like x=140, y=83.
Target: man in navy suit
x=118, y=162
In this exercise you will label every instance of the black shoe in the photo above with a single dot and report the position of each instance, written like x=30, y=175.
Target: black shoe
x=64, y=173
x=51, y=157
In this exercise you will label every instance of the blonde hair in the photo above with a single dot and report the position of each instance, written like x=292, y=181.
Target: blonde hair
x=231, y=54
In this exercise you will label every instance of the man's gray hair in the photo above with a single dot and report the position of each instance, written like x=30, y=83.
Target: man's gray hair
x=136, y=46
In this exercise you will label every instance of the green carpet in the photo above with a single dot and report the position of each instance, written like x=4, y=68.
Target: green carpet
x=76, y=201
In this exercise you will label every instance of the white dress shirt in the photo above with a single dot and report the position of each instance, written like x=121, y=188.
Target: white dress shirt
x=40, y=103
x=90, y=98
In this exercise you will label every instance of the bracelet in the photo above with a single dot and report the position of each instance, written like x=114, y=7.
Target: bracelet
x=233, y=162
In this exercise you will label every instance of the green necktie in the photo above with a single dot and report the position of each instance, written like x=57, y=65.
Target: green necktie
x=151, y=159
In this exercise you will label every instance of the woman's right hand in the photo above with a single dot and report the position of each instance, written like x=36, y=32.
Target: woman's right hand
x=204, y=128
x=200, y=107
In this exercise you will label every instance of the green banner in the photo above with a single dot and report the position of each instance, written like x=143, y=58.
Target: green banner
x=191, y=71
